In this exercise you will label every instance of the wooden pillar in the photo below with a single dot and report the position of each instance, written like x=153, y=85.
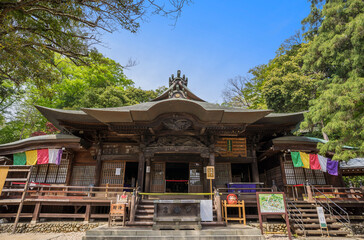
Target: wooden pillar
x=147, y=175
x=254, y=165
x=87, y=213
x=98, y=165
x=141, y=171
x=212, y=163
x=36, y=213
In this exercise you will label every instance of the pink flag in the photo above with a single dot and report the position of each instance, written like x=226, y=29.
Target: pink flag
x=42, y=156
x=314, y=162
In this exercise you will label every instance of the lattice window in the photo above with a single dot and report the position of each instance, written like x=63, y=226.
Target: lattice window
x=113, y=173
x=320, y=177
x=223, y=174
x=51, y=173
x=299, y=175
x=83, y=175
x=290, y=174
x=310, y=176
x=33, y=174
x=63, y=168
x=42, y=173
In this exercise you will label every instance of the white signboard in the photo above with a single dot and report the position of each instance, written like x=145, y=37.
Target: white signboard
x=206, y=210
x=321, y=216
x=147, y=169
x=117, y=171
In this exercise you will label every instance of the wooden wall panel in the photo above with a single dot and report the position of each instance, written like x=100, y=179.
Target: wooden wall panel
x=231, y=147
x=83, y=158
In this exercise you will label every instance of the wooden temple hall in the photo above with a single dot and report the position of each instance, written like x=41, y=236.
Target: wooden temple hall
x=160, y=150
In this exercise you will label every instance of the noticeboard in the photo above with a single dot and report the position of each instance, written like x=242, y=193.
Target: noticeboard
x=271, y=203
x=210, y=172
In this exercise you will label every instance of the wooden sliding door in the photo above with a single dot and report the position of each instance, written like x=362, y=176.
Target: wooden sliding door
x=158, y=177
x=195, y=178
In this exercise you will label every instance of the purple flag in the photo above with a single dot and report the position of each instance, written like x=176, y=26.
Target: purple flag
x=332, y=167
x=59, y=156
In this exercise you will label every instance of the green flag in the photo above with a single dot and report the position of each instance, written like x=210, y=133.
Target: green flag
x=19, y=159
x=296, y=159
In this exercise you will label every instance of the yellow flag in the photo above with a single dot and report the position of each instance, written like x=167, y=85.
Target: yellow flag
x=31, y=157
x=305, y=159
x=3, y=175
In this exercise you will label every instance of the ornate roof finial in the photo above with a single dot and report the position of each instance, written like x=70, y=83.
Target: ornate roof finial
x=183, y=80
x=179, y=83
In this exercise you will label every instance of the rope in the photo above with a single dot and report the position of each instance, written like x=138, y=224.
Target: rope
x=176, y=180
x=161, y=194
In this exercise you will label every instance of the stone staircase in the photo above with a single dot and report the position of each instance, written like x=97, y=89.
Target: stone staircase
x=144, y=214
x=309, y=219
x=208, y=233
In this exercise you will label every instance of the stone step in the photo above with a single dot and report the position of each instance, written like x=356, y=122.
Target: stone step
x=146, y=206
x=145, y=211
x=217, y=237
x=175, y=233
x=149, y=216
x=127, y=232
x=319, y=232
x=140, y=223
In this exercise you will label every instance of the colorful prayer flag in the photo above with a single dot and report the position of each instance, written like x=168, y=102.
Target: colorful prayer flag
x=323, y=163
x=305, y=158
x=332, y=167
x=53, y=153
x=19, y=159
x=3, y=175
x=42, y=156
x=31, y=157
x=296, y=159
x=314, y=162
x=59, y=156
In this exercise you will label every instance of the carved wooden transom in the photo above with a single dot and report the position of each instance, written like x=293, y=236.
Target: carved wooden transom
x=177, y=124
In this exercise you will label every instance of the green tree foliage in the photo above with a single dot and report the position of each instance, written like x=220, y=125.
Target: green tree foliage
x=336, y=52
x=33, y=31
x=287, y=88
x=98, y=85
x=323, y=74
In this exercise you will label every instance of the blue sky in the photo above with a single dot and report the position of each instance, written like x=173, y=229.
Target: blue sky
x=211, y=42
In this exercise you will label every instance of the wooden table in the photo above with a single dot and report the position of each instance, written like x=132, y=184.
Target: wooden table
x=241, y=208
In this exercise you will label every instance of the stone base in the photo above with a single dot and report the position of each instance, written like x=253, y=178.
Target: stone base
x=223, y=233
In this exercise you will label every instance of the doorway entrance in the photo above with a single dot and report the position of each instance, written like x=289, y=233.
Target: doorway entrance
x=177, y=175
x=131, y=174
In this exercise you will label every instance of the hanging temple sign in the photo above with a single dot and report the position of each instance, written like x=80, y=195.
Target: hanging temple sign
x=178, y=86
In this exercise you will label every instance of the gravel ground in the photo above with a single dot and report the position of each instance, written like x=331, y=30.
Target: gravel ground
x=43, y=236
x=79, y=235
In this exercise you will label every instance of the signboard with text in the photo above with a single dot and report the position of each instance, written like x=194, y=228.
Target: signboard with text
x=210, y=172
